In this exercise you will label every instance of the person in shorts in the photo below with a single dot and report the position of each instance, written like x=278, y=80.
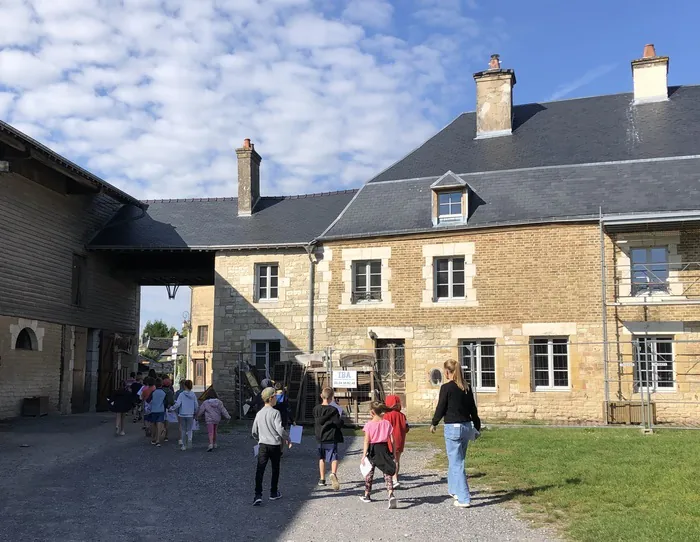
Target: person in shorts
x=327, y=426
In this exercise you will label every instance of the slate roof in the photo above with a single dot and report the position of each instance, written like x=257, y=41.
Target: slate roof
x=580, y=131
x=113, y=191
x=214, y=223
x=539, y=195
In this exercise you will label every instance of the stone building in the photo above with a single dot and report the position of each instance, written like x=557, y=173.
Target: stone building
x=68, y=325
x=553, y=249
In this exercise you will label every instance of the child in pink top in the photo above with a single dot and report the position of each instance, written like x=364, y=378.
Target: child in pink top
x=378, y=435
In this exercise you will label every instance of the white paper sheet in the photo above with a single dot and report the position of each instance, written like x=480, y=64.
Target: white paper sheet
x=295, y=434
x=256, y=449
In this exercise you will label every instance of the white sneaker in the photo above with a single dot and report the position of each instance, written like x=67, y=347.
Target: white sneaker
x=210, y=448
x=122, y=434
x=183, y=448
x=392, y=503
x=179, y=442
x=216, y=446
x=461, y=504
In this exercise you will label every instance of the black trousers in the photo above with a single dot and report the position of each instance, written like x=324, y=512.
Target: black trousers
x=267, y=453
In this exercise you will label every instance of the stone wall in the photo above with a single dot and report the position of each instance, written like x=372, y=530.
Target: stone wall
x=26, y=373
x=202, y=315
x=240, y=319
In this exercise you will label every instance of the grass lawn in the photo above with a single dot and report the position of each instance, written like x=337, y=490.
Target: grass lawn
x=595, y=484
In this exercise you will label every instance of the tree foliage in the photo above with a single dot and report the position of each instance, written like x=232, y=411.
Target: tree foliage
x=157, y=328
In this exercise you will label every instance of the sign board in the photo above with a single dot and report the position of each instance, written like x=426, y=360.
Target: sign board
x=627, y=364
x=344, y=379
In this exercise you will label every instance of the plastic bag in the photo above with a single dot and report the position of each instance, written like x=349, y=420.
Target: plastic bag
x=171, y=417
x=195, y=425
x=365, y=466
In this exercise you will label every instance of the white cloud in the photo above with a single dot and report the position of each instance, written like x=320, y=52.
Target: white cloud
x=158, y=93
x=372, y=13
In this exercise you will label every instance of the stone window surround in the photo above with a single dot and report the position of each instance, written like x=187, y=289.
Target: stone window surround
x=23, y=323
x=550, y=358
x=625, y=242
x=250, y=281
x=351, y=255
x=430, y=253
x=266, y=335
x=480, y=340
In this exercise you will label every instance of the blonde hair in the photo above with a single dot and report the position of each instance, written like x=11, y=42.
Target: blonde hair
x=327, y=393
x=456, y=371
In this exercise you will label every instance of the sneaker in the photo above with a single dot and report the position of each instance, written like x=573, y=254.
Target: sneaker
x=158, y=445
x=122, y=434
x=257, y=501
x=392, y=503
x=454, y=496
x=116, y=430
x=216, y=445
x=153, y=442
x=183, y=448
x=322, y=482
x=165, y=439
x=461, y=504
x=365, y=498
x=396, y=484
x=334, y=482
x=275, y=496
x=179, y=442
x=210, y=448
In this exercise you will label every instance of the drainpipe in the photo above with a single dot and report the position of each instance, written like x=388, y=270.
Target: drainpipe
x=312, y=284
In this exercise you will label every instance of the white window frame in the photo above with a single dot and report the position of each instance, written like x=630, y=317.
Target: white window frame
x=451, y=217
x=550, y=364
x=654, y=369
x=267, y=268
x=367, y=264
x=640, y=291
x=450, y=278
x=266, y=354
x=478, y=343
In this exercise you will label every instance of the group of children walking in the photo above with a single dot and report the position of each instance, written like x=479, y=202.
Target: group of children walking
x=385, y=435
x=154, y=400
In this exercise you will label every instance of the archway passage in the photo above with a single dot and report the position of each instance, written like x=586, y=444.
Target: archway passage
x=26, y=340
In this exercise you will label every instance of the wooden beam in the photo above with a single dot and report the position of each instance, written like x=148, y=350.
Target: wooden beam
x=39, y=157
x=11, y=141
x=39, y=174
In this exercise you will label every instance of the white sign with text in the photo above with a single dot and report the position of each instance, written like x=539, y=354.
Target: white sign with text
x=344, y=379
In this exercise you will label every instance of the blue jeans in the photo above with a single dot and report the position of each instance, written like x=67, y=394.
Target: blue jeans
x=457, y=436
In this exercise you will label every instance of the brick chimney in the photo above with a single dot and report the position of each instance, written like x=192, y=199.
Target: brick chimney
x=248, y=178
x=650, y=76
x=494, y=100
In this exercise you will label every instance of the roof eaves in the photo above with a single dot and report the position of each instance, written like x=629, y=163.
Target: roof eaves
x=115, y=192
x=461, y=228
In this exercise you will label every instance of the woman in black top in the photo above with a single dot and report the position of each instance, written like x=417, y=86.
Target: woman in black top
x=462, y=424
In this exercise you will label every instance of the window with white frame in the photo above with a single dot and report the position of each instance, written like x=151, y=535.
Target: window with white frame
x=478, y=359
x=550, y=363
x=366, y=281
x=449, y=278
x=449, y=206
x=267, y=279
x=653, y=363
x=649, y=270
x=265, y=355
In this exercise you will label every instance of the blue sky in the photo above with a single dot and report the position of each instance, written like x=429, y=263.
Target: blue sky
x=154, y=95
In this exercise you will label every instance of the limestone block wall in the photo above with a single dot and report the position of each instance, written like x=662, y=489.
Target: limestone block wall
x=26, y=373
x=240, y=319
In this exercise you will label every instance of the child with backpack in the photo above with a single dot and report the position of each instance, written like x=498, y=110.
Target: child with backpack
x=397, y=419
x=327, y=426
x=378, y=436
x=213, y=410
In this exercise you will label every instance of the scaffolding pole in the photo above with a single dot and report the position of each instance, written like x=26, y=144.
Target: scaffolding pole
x=603, y=282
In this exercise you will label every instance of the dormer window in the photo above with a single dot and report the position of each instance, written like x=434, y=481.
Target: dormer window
x=449, y=195
x=450, y=206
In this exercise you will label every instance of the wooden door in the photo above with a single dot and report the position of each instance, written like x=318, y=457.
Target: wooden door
x=106, y=370
x=199, y=372
x=78, y=403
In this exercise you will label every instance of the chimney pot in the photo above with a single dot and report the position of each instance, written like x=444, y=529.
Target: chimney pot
x=649, y=51
x=246, y=143
x=495, y=62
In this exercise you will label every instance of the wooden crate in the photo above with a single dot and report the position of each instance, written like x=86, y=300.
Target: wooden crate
x=35, y=406
x=625, y=412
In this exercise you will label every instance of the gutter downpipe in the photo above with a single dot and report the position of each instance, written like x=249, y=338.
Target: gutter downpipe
x=312, y=284
x=604, y=311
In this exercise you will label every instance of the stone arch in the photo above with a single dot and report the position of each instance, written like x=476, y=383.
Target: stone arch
x=26, y=340
x=33, y=329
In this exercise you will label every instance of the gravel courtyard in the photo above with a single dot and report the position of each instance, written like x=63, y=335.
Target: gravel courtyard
x=71, y=479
